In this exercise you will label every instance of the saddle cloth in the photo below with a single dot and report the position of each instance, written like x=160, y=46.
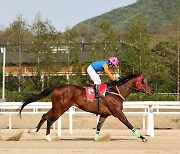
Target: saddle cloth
x=90, y=94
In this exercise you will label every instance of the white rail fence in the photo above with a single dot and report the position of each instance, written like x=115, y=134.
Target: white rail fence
x=150, y=108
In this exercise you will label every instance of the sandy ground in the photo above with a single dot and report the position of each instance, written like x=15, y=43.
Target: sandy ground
x=116, y=138
x=120, y=141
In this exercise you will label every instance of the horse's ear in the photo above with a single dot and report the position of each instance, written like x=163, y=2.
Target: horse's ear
x=138, y=74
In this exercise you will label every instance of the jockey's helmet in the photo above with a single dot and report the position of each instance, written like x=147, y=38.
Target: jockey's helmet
x=114, y=61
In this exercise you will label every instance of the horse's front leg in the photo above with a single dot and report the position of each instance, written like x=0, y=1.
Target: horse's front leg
x=99, y=126
x=121, y=116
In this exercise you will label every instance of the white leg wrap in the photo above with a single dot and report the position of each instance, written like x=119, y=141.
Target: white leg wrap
x=48, y=138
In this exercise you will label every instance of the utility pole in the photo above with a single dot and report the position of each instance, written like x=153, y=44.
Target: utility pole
x=178, y=71
x=178, y=57
x=3, y=50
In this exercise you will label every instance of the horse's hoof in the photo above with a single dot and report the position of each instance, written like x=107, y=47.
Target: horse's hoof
x=33, y=131
x=96, y=137
x=48, y=138
x=144, y=140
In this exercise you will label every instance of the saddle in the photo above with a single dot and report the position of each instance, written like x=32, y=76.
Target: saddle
x=90, y=93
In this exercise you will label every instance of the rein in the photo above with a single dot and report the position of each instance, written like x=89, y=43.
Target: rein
x=118, y=94
x=136, y=89
x=110, y=92
x=121, y=84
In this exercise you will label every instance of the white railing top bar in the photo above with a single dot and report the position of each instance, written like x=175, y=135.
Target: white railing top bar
x=151, y=103
x=126, y=104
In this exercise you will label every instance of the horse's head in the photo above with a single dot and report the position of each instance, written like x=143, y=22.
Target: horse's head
x=142, y=85
x=134, y=82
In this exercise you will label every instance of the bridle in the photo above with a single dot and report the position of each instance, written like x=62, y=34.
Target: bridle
x=140, y=84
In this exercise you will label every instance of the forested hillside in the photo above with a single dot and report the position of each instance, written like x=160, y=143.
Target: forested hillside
x=144, y=37
x=157, y=13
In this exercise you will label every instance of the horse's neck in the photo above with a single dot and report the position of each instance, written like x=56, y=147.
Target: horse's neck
x=127, y=87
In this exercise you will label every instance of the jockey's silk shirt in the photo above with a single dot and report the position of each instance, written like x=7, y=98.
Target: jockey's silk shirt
x=99, y=65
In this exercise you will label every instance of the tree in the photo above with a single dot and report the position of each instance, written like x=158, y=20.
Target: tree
x=138, y=55
x=16, y=34
x=167, y=50
x=105, y=42
x=44, y=35
x=72, y=56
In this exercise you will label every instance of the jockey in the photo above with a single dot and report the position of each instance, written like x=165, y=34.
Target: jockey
x=97, y=66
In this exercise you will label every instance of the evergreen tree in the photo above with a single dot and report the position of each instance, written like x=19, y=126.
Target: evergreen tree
x=43, y=45
x=16, y=35
x=138, y=55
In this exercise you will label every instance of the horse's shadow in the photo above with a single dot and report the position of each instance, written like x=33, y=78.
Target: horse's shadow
x=91, y=139
x=83, y=139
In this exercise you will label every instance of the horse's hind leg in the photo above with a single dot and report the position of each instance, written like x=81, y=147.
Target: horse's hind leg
x=43, y=119
x=99, y=126
x=56, y=113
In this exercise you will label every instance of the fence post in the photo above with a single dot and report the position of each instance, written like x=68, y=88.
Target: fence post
x=144, y=118
x=150, y=130
x=59, y=126
x=10, y=124
x=54, y=125
x=70, y=120
x=144, y=122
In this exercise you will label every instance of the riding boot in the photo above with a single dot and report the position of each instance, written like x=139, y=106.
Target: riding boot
x=96, y=88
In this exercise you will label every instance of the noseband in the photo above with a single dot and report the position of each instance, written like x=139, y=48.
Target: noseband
x=140, y=83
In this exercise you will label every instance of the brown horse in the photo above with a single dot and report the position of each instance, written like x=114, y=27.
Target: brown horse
x=65, y=96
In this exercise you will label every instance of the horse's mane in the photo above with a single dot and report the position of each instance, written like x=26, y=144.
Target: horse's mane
x=127, y=78
x=122, y=80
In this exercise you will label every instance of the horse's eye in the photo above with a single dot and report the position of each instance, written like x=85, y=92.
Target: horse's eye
x=144, y=81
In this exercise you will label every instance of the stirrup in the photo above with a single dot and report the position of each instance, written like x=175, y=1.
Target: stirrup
x=99, y=96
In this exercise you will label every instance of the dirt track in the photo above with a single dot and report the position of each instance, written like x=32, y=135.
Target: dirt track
x=122, y=141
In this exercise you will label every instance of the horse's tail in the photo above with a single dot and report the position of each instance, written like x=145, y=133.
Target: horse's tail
x=36, y=97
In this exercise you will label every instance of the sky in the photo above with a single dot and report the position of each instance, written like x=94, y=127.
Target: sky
x=63, y=14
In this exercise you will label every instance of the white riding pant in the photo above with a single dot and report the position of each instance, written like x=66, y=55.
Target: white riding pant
x=93, y=75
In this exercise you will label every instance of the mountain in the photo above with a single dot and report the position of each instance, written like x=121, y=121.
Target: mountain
x=156, y=12
x=2, y=27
